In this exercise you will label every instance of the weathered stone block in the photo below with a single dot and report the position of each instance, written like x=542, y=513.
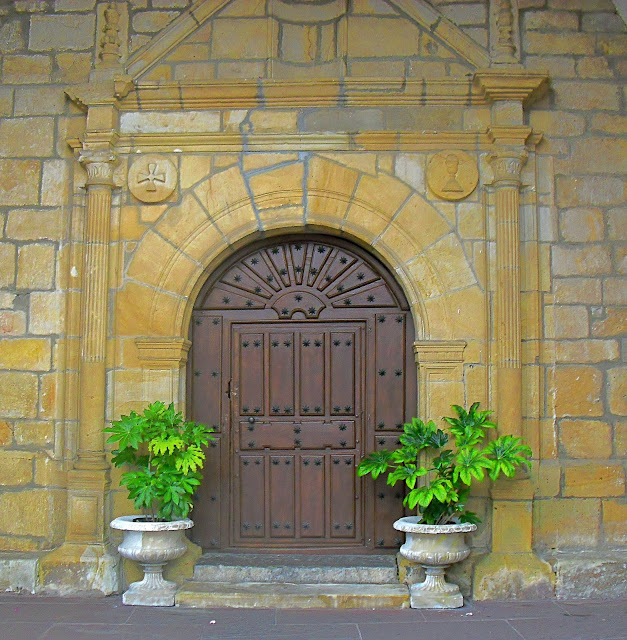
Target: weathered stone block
x=6, y=433
x=582, y=224
x=26, y=69
x=603, y=22
x=602, y=155
x=590, y=191
x=577, y=290
x=596, y=575
x=586, y=96
x=558, y=43
x=620, y=439
x=594, y=480
x=16, y=468
x=557, y=123
x=551, y=20
x=595, y=68
x=47, y=312
x=240, y=39
x=382, y=38
x=577, y=391
x=282, y=186
x=617, y=392
x=152, y=21
x=55, y=183
x=73, y=67
x=586, y=438
x=62, y=32
x=19, y=573
x=558, y=523
x=25, y=512
x=39, y=434
x=169, y=122
x=23, y=137
x=608, y=123
x=587, y=351
x=265, y=120
x=613, y=324
x=615, y=521
x=12, y=323
x=30, y=354
x=588, y=260
x=350, y=120
x=11, y=36
x=35, y=266
x=35, y=224
x=39, y=101
x=615, y=291
x=7, y=264
x=571, y=321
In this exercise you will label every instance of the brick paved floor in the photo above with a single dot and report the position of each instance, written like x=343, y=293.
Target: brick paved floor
x=44, y=618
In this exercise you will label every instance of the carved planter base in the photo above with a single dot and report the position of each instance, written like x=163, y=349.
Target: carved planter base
x=435, y=547
x=152, y=544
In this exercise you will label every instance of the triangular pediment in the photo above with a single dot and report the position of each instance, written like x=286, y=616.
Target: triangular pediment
x=297, y=39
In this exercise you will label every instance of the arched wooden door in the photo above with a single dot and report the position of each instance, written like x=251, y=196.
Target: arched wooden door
x=302, y=361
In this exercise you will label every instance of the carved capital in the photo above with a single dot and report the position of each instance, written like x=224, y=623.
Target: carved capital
x=99, y=166
x=507, y=167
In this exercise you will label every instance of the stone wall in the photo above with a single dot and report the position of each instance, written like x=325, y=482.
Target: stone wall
x=573, y=229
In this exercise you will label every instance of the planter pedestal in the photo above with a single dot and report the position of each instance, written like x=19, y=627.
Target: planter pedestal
x=435, y=547
x=152, y=544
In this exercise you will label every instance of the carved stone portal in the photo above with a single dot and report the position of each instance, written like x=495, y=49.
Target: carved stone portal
x=152, y=178
x=452, y=175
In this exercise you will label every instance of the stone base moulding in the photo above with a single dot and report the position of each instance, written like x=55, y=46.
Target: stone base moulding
x=435, y=547
x=152, y=544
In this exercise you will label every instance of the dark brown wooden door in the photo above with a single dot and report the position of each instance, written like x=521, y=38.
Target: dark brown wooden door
x=301, y=360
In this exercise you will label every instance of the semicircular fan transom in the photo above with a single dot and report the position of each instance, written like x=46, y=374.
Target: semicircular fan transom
x=300, y=276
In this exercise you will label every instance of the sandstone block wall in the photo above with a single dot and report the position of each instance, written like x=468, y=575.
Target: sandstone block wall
x=573, y=230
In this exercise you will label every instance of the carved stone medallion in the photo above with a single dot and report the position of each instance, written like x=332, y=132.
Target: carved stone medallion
x=152, y=178
x=452, y=175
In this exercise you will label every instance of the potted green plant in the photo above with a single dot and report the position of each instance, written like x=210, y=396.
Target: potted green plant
x=165, y=454
x=435, y=537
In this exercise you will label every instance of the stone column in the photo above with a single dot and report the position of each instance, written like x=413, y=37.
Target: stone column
x=511, y=569
x=507, y=165
x=85, y=562
x=91, y=452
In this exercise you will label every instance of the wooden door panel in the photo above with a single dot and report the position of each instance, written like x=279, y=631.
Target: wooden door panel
x=250, y=375
x=343, y=521
x=312, y=349
x=281, y=374
x=252, y=496
x=207, y=370
x=390, y=403
x=282, y=496
x=289, y=346
x=342, y=369
x=313, y=510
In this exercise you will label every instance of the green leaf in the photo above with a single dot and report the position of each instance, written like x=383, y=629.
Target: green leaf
x=374, y=464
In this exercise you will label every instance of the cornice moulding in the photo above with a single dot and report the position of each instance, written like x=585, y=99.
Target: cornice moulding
x=516, y=85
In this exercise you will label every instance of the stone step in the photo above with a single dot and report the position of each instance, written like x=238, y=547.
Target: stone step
x=206, y=595
x=296, y=568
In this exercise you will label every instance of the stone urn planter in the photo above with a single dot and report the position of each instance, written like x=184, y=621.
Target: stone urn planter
x=435, y=547
x=153, y=545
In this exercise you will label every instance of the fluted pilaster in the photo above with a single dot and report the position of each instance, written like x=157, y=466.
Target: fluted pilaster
x=99, y=166
x=507, y=167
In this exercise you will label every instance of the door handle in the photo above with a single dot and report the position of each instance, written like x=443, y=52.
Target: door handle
x=228, y=389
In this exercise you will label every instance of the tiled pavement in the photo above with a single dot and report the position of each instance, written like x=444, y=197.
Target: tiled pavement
x=41, y=618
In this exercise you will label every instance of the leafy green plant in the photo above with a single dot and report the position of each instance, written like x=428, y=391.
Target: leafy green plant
x=441, y=499
x=166, y=453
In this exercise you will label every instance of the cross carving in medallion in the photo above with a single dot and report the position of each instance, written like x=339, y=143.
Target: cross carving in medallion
x=151, y=177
